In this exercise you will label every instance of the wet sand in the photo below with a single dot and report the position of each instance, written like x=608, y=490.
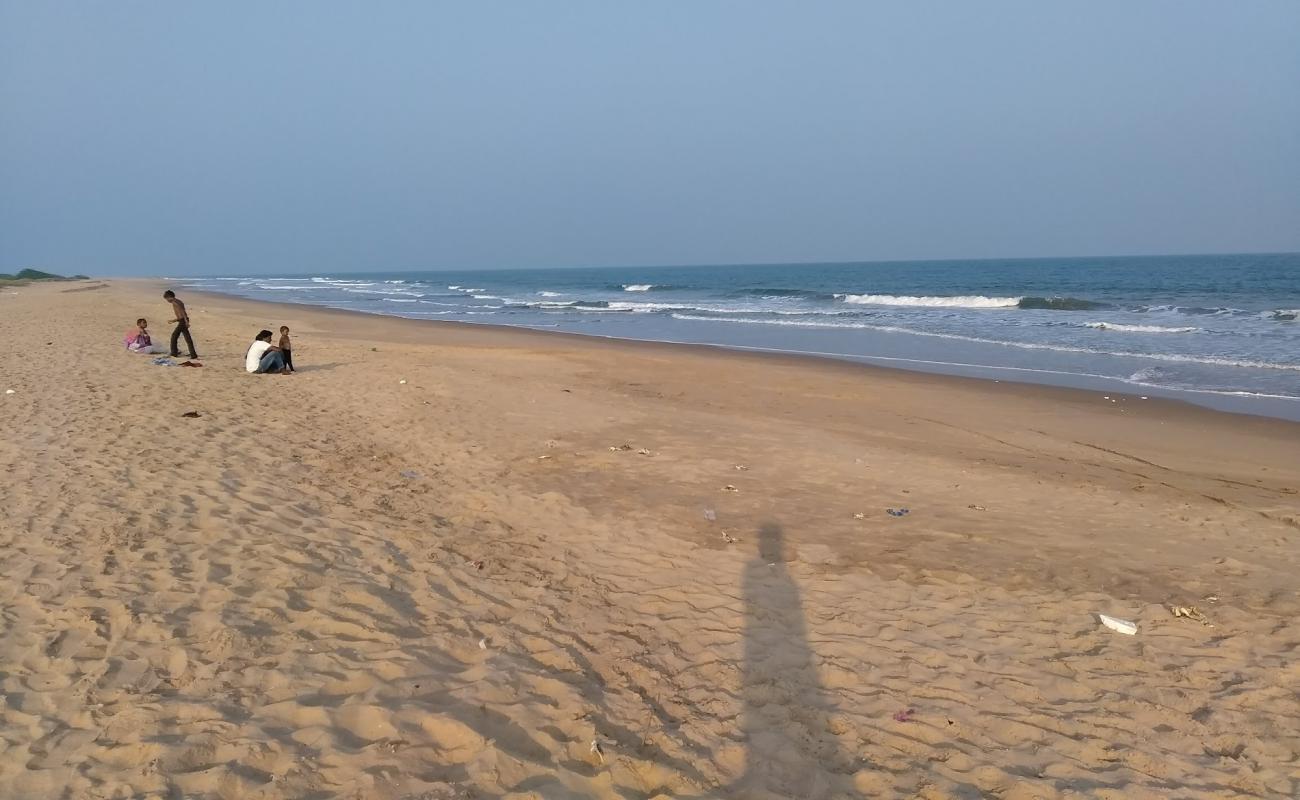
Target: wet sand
x=340, y=584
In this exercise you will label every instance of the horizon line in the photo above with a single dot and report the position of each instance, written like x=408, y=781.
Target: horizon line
x=706, y=265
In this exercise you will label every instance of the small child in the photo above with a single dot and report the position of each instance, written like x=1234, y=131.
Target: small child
x=286, y=347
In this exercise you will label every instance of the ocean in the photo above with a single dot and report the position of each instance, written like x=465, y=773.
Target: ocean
x=1219, y=330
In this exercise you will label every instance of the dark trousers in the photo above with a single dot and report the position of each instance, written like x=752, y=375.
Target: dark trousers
x=288, y=359
x=182, y=328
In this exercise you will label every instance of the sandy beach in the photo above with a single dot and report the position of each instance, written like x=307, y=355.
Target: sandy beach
x=448, y=561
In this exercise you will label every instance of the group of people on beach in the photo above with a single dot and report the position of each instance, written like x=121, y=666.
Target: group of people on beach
x=139, y=340
x=262, y=357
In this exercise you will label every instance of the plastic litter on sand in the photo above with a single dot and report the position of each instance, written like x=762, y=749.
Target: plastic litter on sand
x=1118, y=625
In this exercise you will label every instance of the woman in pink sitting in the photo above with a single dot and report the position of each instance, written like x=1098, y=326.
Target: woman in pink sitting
x=138, y=341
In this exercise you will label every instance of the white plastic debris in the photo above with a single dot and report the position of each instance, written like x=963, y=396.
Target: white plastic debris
x=1119, y=625
x=402, y=381
x=482, y=644
x=9, y=391
x=710, y=515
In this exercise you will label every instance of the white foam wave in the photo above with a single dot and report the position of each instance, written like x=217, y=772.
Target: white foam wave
x=1116, y=326
x=961, y=301
x=550, y=294
x=638, y=287
x=1175, y=357
x=487, y=297
x=337, y=282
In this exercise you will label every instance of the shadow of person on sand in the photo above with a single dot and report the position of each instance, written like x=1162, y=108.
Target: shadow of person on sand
x=791, y=750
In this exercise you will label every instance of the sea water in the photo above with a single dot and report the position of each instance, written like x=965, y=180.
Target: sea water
x=1221, y=330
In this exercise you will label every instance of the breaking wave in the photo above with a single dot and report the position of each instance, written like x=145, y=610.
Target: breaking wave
x=1115, y=326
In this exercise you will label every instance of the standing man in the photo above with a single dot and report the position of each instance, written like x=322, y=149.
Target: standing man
x=182, y=325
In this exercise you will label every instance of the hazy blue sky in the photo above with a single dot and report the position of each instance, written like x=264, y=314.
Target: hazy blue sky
x=237, y=137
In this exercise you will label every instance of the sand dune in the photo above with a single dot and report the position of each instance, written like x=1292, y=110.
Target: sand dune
x=337, y=585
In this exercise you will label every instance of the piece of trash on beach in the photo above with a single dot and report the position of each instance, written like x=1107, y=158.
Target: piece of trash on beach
x=1118, y=625
x=730, y=488
x=482, y=644
x=905, y=715
x=476, y=564
x=191, y=414
x=710, y=515
x=1211, y=598
x=898, y=512
x=409, y=474
x=10, y=391
x=597, y=750
x=402, y=381
x=977, y=508
x=741, y=468
x=1144, y=397
x=643, y=452
x=542, y=458
x=1190, y=612
x=615, y=449
x=728, y=538
x=859, y=515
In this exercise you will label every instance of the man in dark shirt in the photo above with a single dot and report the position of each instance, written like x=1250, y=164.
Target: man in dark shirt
x=182, y=325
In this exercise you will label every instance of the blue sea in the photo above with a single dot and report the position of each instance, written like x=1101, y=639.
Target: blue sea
x=1220, y=330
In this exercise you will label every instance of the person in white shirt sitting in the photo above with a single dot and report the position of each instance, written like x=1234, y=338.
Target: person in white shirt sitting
x=263, y=358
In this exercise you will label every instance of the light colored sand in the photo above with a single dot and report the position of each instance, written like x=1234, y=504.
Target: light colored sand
x=257, y=604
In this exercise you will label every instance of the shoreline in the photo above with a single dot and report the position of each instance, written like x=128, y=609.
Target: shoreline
x=1270, y=406
x=814, y=359
x=442, y=561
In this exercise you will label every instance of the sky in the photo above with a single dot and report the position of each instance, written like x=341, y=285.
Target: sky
x=165, y=138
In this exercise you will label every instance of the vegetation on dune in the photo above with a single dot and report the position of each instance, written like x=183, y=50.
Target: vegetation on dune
x=36, y=275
